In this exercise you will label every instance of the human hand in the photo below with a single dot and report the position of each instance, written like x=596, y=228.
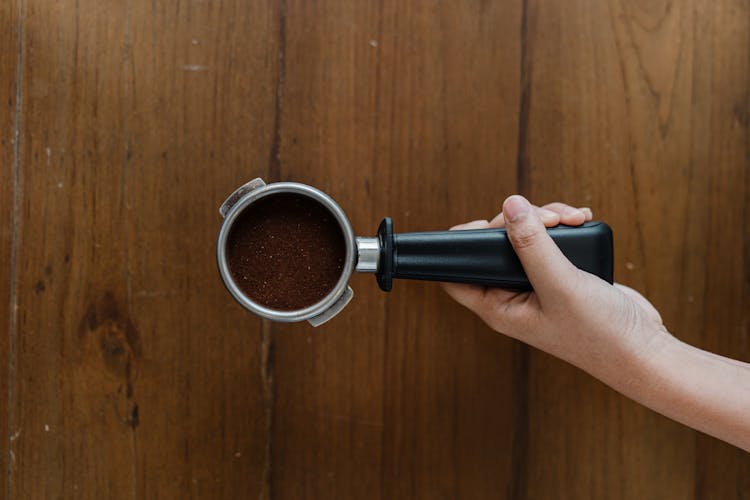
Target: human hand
x=570, y=314
x=611, y=332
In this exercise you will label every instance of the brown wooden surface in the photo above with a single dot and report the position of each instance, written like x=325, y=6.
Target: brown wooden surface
x=130, y=372
x=8, y=178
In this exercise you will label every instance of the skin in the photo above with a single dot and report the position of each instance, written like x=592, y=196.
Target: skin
x=611, y=332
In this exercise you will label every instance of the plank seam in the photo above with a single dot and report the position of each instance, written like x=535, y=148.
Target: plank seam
x=274, y=167
x=518, y=483
x=128, y=62
x=384, y=331
x=13, y=312
x=522, y=159
x=269, y=399
x=267, y=345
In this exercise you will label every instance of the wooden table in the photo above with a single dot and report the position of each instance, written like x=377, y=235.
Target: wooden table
x=129, y=372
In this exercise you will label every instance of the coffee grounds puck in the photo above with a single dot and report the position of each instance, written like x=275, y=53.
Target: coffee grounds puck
x=286, y=251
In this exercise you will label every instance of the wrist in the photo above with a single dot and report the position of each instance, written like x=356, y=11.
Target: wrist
x=626, y=364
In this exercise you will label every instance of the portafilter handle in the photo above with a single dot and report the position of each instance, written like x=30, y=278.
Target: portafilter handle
x=480, y=256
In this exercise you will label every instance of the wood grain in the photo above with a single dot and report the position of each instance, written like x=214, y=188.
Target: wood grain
x=450, y=382
x=130, y=372
x=373, y=115
x=724, y=302
x=9, y=171
x=328, y=417
x=638, y=101
x=580, y=117
x=135, y=376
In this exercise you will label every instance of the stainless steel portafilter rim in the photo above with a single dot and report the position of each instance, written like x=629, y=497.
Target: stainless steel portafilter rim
x=336, y=299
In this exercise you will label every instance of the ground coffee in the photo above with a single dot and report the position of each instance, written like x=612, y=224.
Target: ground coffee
x=286, y=251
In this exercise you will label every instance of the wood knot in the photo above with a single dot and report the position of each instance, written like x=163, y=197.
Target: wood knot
x=117, y=352
x=115, y=336
x=133, y=419
x=740, y=115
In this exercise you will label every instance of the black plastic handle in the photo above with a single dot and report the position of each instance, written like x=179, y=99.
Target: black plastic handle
x=484, y=256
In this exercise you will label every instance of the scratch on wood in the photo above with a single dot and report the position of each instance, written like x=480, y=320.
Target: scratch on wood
x=154, y=293
x=269, y=397
x=13, y=312
x=195, y=67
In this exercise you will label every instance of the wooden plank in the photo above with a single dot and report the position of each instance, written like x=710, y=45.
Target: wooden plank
x=453, y=425
x=574, y=149
x=683, y=141
x=76, y=345
x=137, y=375
x=608, y=142
x=328, y=421
x=723, y=471
x=403, y=394
x=8, y=169
x=618, y=121
x=204, y=108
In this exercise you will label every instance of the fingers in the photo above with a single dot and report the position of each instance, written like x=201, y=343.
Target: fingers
x=550, y=218
x=570, y=215
x=469, y=296
x=553, y=214
x=498, y=221
x=547, y=268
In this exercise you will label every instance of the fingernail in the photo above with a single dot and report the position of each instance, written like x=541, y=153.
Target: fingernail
x=516, y=207
x=587, y=212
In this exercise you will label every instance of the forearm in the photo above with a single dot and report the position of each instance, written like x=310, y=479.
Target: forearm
x=707, y=392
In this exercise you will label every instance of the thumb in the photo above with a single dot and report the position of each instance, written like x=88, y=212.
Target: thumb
x=549, y=271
